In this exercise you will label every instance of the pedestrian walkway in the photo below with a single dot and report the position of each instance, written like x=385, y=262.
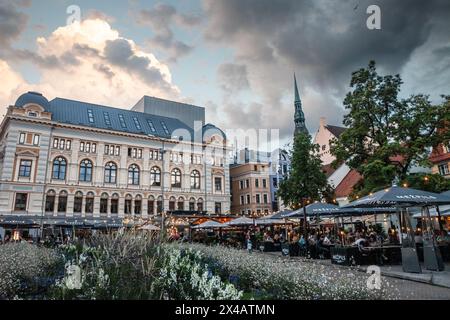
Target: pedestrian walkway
x=437, y=278
x=429, y=285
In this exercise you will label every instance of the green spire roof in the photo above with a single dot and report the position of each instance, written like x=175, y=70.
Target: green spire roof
x=297, y=96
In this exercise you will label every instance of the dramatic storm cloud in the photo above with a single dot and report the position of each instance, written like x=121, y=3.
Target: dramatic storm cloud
x=323, y=42
x=161, y=19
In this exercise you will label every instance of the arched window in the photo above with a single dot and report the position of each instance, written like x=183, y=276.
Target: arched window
x=89, y=207
x=200, y=204
x=155, y=176
x=159, y=205
x=59, y=168
x=191, y=204
x=78, y=202
x=172, y=201
x=138, y=204
x=151, y=205
x=133, y=175
x=104, y=203
x=86, y=170
x=180, y=204
x=110, y=172
x=62, y=201
x=115, y=204
x=50, y=201
x=176, y=178
x=128, y=200
x=195, y=179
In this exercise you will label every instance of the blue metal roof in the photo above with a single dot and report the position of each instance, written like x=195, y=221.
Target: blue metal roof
x=103, y=117
x=32, y=97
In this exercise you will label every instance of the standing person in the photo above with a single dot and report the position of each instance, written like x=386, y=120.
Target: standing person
x=249, y=242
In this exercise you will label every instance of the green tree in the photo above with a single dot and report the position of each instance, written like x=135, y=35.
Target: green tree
x=306, y=181
x=387, y=135
x=428, y=182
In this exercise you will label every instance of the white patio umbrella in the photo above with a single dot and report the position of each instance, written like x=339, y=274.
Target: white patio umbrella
x=210, y=225
x=150, y=227
x=242, y=221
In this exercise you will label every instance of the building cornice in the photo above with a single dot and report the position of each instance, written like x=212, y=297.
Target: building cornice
x=110, y=132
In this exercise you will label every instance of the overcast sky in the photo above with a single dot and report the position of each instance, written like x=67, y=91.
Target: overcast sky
x=236, y=58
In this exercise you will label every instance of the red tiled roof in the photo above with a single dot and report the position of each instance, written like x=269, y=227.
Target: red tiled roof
x=328, y=169
x=345, y=188
x=335, y=130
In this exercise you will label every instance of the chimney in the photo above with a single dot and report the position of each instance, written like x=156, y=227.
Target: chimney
x=323, y=121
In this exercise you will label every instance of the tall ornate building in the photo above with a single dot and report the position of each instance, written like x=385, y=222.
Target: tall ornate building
x=69, y=159
x=299, y=116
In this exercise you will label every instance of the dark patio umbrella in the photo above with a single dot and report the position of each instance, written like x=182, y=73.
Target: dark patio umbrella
x=314, y=209
x=281, y=215
x=446, y=193
x=402, y=197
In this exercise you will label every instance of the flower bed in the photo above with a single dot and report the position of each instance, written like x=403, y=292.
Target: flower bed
x=270, y=277
x=27, y=270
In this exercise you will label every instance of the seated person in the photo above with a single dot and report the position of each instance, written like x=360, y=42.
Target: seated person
x=361, y=243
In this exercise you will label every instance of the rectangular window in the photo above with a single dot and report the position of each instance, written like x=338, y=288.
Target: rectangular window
x=103, y=205
x=89, y=208
x=258, y=198
x=88, y=147
x=68, y=144
x=248, y=199
x=122, y=121
x=265, y=198
x=218, y=184
x=137, y=123
x=117, y=152
x=114, y=206
x=264, y=183
x=106, y=149
x=129, y=151
x=127, y=206
x=62, y=203
x=247, y=183
x=55, y=143
x=139, y=153
x=78, y=203
x=133, y=153
x=150, y=124
x=22, y=138
x=443, y=169
x=111, y=150
x=94, y=147
x=21, y=202
x=275, y=182
x=256, y=183
x=163, y=124
x=82, y=146
x=242, y=200
x=62, y=144
x=50, y=203
x=25, y=168
x=218, y=207
x=90, y=116
x=150, y=207
x=241, y=184
x=106, y=118
x=36, y=140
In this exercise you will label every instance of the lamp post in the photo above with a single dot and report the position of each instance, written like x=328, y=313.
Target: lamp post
x=163, y=215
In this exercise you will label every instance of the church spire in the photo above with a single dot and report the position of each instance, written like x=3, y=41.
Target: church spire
x=299, y=116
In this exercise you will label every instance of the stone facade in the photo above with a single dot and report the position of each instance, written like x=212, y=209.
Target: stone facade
x=67, y=170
